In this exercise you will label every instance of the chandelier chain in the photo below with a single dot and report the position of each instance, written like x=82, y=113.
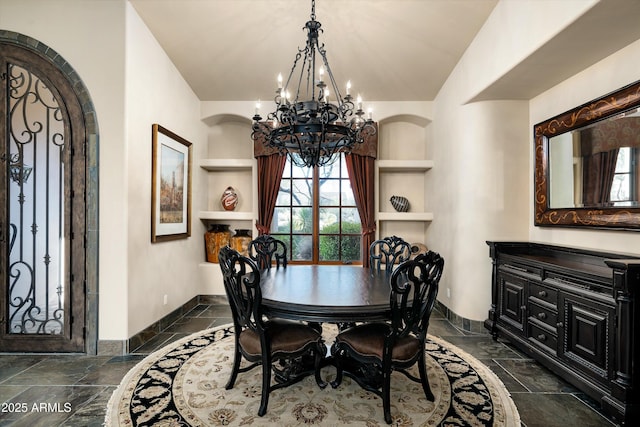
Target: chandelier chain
x=313, y=132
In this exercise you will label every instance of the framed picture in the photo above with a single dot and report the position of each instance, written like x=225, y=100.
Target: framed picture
x=170, y=186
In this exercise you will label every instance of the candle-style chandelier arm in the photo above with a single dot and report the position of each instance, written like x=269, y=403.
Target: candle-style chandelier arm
x=312, y=132
x=327, y=68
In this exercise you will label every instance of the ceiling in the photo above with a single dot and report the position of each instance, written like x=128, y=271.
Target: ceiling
x=391, y=50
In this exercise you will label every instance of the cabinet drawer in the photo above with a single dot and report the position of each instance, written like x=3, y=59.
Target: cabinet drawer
x=542, y=337
x=543, y=293
x=521, y=269
x=543, y=314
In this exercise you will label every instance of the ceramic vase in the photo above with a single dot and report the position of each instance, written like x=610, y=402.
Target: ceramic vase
x=229, y=199
x=240, y=241
x=399, y=203
x=215, y=239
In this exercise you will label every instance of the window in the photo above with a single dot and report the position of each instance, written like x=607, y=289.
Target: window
x=316, y=215
x=623, y=188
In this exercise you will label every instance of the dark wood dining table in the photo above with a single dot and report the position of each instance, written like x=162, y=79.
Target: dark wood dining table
x=325, y=293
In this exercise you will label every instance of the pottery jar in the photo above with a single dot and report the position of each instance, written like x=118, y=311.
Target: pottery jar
x=215, y=239
x=240, y=241
x=229, y=199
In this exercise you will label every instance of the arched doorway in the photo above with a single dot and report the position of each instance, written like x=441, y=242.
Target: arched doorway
x=48, y=202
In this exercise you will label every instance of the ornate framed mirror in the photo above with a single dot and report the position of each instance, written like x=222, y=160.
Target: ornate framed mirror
x=587, y=164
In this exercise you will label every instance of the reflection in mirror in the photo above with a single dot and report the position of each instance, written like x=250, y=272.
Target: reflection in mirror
x=597, y=165
x=587, y=168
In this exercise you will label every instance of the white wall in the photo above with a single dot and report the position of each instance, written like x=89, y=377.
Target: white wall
x=480, y=182
x=614, y=72
x=157, y=93
x=513, y=31
x=479, y=188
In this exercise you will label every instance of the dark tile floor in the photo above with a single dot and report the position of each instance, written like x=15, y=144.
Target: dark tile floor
x=72, y=390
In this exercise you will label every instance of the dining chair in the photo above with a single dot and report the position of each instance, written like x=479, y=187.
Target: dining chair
x=370, y=352
x=388, y=252
x=265, y=342
x=265, y=248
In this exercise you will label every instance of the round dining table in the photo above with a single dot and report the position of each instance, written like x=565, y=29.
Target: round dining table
x=325, y=293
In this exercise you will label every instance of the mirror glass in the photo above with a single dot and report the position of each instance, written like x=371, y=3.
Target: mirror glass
x=587, y=164
x=596, y=166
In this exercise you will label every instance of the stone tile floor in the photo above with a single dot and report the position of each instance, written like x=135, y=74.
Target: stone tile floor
x=73, y=390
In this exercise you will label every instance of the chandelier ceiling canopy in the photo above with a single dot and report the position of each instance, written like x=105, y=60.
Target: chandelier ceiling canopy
x=312, y=123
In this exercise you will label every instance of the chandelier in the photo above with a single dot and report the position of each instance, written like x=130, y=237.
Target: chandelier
x=314, y=126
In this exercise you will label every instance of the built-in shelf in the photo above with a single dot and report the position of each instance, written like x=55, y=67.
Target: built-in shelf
x=226, y=215
x=212, y=267
x=226, y=164
x=237, y=168
x=405, y=165
x=405, y=216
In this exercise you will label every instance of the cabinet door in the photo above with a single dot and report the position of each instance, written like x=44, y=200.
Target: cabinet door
x=511, y=307
x=588, y=328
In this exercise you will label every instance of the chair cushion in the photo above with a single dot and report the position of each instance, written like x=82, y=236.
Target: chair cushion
x=368, y=340
x=286, y=337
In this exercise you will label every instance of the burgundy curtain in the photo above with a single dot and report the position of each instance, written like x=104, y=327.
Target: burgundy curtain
x=270, y=169
x=598, y=172
x=361, y=175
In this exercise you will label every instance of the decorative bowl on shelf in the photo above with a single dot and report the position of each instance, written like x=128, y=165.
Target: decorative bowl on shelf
x=399, y=203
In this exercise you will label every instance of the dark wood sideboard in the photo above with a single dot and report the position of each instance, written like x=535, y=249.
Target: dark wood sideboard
x=576, y=312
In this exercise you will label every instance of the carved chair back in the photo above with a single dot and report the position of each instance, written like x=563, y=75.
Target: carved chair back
x=414, y=288
x=265, y=249
x=241, y=279
x=387, y=252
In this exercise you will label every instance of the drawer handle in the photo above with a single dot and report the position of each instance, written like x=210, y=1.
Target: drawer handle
x=542, y=316
x=542, y=294
x=542, y=337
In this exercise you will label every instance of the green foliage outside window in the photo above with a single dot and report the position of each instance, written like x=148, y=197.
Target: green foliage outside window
x=329, y=248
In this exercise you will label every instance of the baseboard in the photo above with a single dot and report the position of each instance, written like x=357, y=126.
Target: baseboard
x=123, y=347
x=468, y=325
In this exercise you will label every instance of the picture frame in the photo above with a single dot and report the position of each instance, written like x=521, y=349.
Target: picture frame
x=170, y=186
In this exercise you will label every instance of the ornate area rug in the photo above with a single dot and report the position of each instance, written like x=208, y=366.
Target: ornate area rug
x=183, y=385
